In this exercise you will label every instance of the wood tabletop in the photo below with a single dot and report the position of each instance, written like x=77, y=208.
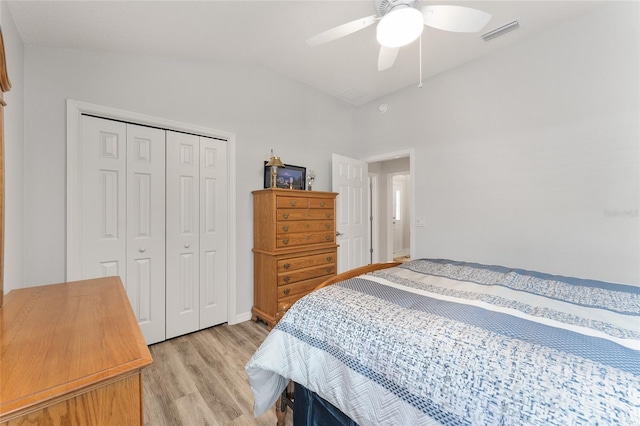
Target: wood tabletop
x=65, y=338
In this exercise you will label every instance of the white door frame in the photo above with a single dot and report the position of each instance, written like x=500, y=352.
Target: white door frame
x=373, y=216
x=75, y=109
x=392, y=156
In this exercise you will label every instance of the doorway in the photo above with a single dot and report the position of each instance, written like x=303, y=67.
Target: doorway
x=399, y=216
x=391, y=207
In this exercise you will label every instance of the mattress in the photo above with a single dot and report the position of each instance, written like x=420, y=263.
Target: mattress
x=454, y=343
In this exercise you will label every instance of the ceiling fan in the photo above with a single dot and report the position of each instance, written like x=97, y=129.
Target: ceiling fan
x=401, y=23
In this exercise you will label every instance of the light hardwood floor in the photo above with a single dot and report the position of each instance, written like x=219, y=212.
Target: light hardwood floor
x=199, y=379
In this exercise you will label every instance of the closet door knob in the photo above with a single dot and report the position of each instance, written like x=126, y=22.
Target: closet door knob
x=187, y=245
x=142, y=250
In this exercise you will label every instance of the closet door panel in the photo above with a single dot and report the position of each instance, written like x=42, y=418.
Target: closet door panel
x=103, y=198
x=145, y=283
x=213, y=232
x=182, y=234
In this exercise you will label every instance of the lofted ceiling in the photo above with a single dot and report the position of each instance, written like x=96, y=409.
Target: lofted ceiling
x=272, y=34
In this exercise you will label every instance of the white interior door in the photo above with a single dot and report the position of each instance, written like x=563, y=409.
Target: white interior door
x=350, y=178
x=103, y=198
x=213, y=232
x=122, y=214
x=183, y=230
x=146, y=229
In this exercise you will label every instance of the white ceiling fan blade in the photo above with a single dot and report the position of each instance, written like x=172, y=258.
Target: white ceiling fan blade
x=387, y=57
x=455, y=18
x=341, y=30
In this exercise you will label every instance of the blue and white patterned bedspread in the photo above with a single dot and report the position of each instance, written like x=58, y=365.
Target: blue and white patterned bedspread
x=442, y=342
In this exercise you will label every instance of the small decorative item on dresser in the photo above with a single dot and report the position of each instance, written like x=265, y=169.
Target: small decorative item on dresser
x=272, y=167
x=310, y=178
x=289, y=177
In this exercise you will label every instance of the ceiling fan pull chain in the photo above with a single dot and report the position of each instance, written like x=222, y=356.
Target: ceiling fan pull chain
x=420, y=64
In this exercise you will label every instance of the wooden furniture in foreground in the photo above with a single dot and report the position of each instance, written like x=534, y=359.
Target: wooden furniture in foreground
x=294, y=248
x=5, y=86
x=286, y=399
x=72, y=354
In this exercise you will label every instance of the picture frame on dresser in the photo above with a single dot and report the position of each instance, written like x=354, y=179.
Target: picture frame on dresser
x=289, y=177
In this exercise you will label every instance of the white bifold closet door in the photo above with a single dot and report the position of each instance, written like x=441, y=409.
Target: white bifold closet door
x=123, y=214
x=196, y=233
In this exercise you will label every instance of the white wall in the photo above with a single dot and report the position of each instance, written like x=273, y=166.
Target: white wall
x=14, y=155
x=264, y=111
x=529, y=157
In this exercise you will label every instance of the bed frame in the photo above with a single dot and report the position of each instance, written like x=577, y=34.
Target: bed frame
x=286, y=399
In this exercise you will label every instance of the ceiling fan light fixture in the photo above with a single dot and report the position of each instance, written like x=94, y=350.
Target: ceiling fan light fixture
x=400, y=27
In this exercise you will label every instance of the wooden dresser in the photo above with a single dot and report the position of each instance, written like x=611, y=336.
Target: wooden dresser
x=294, y=248
x=72, y=354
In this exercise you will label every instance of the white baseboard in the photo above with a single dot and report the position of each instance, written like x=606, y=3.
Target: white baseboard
x=246, y=316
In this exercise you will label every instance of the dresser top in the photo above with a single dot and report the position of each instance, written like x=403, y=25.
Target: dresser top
x=295, y=192
x=62, y=338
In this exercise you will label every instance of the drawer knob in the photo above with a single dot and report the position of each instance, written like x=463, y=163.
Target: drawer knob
x=329, y=258
x=287, y=290
x=286, y=215
x=327, y=237
x=285, y=228
x=287, y=265
x=321, y=203
x=327, y=226
x=287, y=279
x=293, y=203
x=329, y=269
x=328, y=215
x=142, y=249
x=285, y=241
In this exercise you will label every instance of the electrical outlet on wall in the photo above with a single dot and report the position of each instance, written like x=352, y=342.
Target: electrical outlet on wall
x=420, y=221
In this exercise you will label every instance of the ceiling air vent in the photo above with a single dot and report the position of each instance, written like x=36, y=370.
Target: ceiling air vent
x=501, y=31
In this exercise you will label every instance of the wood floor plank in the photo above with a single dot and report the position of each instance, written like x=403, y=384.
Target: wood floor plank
x=199, y=379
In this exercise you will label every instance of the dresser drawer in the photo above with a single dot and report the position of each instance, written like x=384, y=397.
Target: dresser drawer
x=304, y=214
x=305, y=274
x=321, y=203
x=304, y=225
x=290, y=265
x=304, y=238
x=300, y=288
x=292, y=202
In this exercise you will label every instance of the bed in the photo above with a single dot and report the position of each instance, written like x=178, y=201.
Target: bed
x=436, y=341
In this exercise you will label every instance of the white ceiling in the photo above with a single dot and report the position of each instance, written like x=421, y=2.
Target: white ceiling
x=272, y=34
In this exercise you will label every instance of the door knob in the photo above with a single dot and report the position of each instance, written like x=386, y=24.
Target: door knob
x=142, y=250
x=187, y=245
x=338, y=233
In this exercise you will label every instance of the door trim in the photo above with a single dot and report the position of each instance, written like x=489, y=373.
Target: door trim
x=75, y=109
x=373, y=217
x=411, y=153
